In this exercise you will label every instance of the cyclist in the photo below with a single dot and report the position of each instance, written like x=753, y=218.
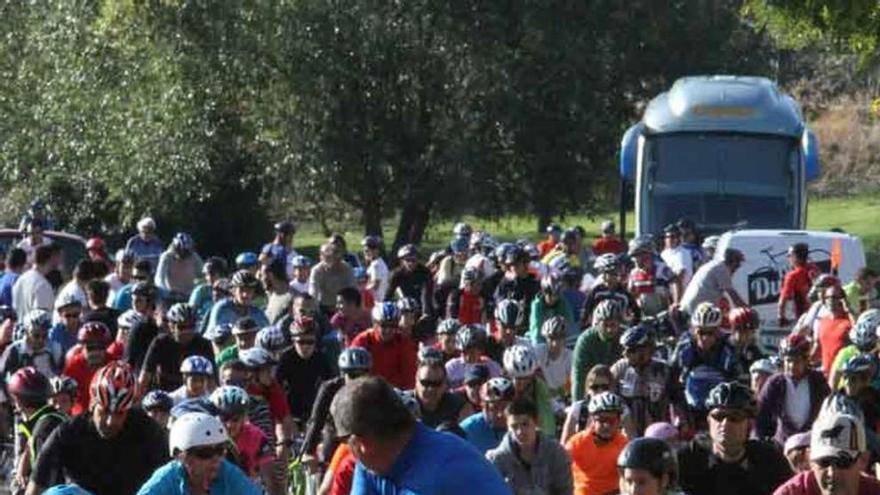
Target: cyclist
x=521, y=365
x=377, y=269
x=833, y=329
x=394, y=355
x=482, y=245
x=651, y=281
x=178, y=266
x=608, y=242
x=64, y=393
x=34, y=349
x=733, y=464
x=859, y=371
x=797, y=451
x=796, y=285
x=37, y=419
x=198, y=379
x=808, y=324
x=554, y=358
x=273, y=276
x=202, y=296
x=244, y=288
x=485, y=429
x=676, y=256
x=509, y=324
x=302, y=271
x=599, y=379
x=469, y=393
x=121, y=274
x=449, y=272
x=690, y=241
x=861, y=293
x=124, y=323
x=565, y=253
x=68, y=311
x=146, y=245
x=610, y=286
x=517, y=284
x=256, y=454
x=531, y=461
x=447, y=342
x=466, y=302
x=647, y=466
x=168, y=351
x=547, y=304
x=89, y=356
x=329, y=276
x=32, y=290
x=554, y=232
x=471, y=340
x=789, y=402
x=143, y=332
x=710, y=245
x=594, y=451
x=863, y=340
x=158, y=404
x=597, y=345
x=838, y=459
x=383, y=433
x=712, y=281
x=33, y=238
x=411, y=279
x=249, y=261
x=84, y=447
x=97, y=309
x=761, y=370
x=302, y=369
x=647, y=385
x=280, y=247
x=703, y=359
x=198, y=444
x=353, y=362
x=124, y=297
x=744, y=322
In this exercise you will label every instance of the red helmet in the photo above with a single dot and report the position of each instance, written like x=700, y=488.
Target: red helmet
x=95, y=243
x=30, y=385
x=113, y=386
x=794, y=345
x=93, y=332
x=743, y=317
x=302, y=325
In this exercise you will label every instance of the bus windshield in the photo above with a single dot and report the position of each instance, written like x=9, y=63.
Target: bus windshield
x=720, y=181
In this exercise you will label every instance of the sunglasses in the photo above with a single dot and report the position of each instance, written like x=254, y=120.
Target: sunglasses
x=208, y=452
x=839, y=462
x=600, y=387
x=431, y=383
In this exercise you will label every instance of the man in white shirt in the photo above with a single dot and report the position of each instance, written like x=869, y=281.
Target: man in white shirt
x=713, y=281
x=377, y=270
x=33, y=239
x=676, y=256
x=32, y=290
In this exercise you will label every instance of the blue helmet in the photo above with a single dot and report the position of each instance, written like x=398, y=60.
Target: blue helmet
x=636, y=336
x=197, y=365
x=386, y=312
x=860, y=363
x=246, y=259
x=218, y=333
x=459, y=245
x=157, y=399
x=864, y=335
x=182, y=242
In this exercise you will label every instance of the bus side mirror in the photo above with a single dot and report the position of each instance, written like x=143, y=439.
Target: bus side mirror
x=810, y=148
x=629, y=148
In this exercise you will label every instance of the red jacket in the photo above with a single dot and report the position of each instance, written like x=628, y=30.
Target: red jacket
x=394, y=361
x=78, y=369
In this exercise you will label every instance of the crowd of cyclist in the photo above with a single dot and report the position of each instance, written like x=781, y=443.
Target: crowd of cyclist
x=566, y=366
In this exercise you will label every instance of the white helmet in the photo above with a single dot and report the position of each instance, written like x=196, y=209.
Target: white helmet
x=520, y=361
x=196, y=429
x=146, y=223
x=706, y=315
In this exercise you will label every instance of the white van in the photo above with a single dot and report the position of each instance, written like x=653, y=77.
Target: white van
x=759, y=279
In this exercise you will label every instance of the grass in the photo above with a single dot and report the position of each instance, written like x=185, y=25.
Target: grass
x=856, y=215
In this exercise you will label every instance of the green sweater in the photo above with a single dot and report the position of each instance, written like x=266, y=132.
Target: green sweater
x=591, y=349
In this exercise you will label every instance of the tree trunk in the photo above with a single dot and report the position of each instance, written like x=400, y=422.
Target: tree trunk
x=372, y=214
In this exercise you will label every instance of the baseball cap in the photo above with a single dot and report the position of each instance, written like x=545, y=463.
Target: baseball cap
x=797, y=441
x=837, y=435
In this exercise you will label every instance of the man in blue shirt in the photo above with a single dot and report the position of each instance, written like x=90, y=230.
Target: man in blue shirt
x=146, y=245
x=486, y=429
x=398, y=455
x=16, y=261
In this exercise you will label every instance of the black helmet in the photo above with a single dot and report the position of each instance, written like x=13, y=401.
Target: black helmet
x=285, y=227
x=652, y=455
x=145, y=289
x=732, y=395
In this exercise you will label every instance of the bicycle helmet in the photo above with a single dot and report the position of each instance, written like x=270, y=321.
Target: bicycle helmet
x=303, y=325
x=371, y=242
x=182, y=242
x=218, y=333
x=95, y=244
x=429, y=354
x=840, y=403
x=448, y=326
x=246, y=259
x=273, y=339
x=355, y=359
x=285, y=227
x=7, y=313
x=386, y=313
x=860, y=363
x=607, y=263
x=29, y=385
x=300, y=261
x=146, y=290
x=471, y=336
x=244, y=278
x=458, y=245
x=410, y=402
x=793, y=345
x=408, y=305
x=114, y=386
x=222, y=286
x=197, y=365
x=408, y=251
x=864, y=335
x=509, y=313
x=764, y=366
x=569, y=235
x=157, y=399
x=256, y=357
x=146, y=223
x=500, y=251
x=707, y=315
x=870, y=317
x=497, y=389
x=245, y=325
x=554, y=228
x=462, y=230
x=37, y=319
x=711, y=242
x=129, y=319
x=63, y=384
x=744, y=317
x=641, y=244
x=637, y=336
x=67, y=299
x=605, y=402
x=650, y=454
x=520, y=361
x=19, y=331
x=196, y=430
x=182, y=314
x=607, y=309
x=515, y=254
x=732, y=395
x=230, y=400
x=93, y=332
x=531, y=251
x=551, y=284
x=125, y=256
x=554, y=327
